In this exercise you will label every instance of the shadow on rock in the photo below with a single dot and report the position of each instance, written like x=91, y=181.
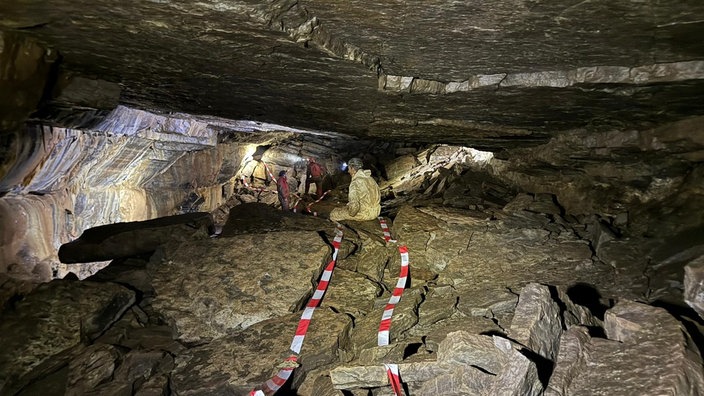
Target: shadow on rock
x=587, y=296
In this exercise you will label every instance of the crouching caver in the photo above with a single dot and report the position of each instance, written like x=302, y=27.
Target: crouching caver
x=364, y=200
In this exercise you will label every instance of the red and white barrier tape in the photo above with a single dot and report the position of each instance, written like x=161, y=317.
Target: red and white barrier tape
x=260, y=189
x=271, y=386
x=315, y=202
x=307, y=208
x=295, y=204
x=385, y=325
x=317, y=296
x=394, y=378
x=385, y=229
x=266, y=168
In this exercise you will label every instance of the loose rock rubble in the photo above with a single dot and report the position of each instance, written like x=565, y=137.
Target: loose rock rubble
x=504, y=309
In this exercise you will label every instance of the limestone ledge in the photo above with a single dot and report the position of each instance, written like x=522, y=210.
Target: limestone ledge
x=646, y=74
x=177, y=129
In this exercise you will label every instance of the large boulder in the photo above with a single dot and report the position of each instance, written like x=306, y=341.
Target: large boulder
x=211, y=288
x=537, y=323
x=465, y=364
x=235, y=364
x=647, y=352
x=135, y=238
x=481, y=256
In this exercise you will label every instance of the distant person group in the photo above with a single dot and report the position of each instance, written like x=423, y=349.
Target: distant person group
x=364, y=198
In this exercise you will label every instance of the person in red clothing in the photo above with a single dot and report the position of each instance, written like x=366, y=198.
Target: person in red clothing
x=314, y=174
x=282, y=188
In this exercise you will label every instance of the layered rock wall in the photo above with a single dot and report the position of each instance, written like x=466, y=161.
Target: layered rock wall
x=64, y=181
x=649, y=178
x=134, y=165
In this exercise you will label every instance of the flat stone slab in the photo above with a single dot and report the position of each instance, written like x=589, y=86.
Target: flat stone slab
x=234, y=365
x=211, y=288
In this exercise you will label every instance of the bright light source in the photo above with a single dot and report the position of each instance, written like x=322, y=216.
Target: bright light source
x=343, y=167
x=293, y=158
x=249, y=152
x=481, y=157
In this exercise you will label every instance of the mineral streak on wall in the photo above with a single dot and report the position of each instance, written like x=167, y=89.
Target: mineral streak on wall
x=63, y=181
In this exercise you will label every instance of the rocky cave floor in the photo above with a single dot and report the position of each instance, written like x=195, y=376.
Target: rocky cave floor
x=507, y=294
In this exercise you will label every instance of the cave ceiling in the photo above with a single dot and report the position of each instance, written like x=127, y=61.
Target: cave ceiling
x=492, y=74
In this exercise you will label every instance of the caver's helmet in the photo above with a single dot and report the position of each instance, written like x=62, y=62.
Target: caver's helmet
x=355, y=163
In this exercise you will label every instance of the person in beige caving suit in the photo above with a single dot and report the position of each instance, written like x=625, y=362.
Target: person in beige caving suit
x=364, y=199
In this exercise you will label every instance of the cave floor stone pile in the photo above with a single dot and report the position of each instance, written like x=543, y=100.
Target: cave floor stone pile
x=512, y=301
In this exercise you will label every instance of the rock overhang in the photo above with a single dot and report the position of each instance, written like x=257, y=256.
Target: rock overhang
x=480, y=74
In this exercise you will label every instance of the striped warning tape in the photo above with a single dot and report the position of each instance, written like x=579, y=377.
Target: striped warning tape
x=298, y=198
x=394, y=378
x=268, y=172
x=317, y=296
x=385, y=229
x=259, y=190
x=271, y=386
x=385, y=325
x=315, y=202
x=295, y=203
x=383, y=336
x=308, y=207
x=266, y=168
